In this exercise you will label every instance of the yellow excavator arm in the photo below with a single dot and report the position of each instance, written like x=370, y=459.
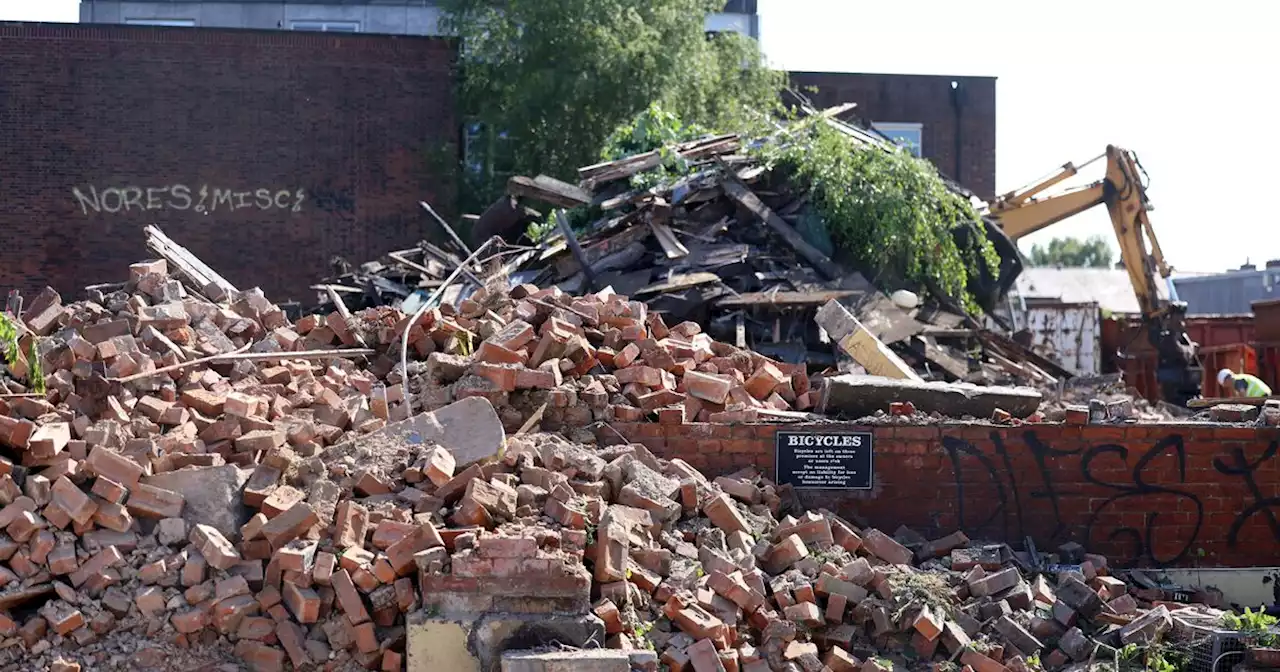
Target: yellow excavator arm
x=1023, y=211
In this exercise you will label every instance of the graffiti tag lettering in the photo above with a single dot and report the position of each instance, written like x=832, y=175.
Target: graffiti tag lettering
x=113, y=200
x=1139, y=506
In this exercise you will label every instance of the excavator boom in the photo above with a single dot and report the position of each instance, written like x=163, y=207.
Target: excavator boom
x=1020, y=213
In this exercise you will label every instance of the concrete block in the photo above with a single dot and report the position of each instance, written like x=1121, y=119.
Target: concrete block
x=855, y=395
x=213, y=495
x=470, y=428
x=585, y=660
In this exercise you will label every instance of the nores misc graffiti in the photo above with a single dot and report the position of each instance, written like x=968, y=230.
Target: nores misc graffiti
x=1160, y=503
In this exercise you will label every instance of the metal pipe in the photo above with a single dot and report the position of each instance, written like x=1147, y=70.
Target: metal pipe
x=404, y=339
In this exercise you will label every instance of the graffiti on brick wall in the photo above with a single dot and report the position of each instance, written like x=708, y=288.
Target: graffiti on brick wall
x=1142, y=500
x=1247, y=471
x=203, y=199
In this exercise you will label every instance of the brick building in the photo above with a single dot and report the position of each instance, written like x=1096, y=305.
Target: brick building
x=392, y=17
x=948, y=120
x=266, y=153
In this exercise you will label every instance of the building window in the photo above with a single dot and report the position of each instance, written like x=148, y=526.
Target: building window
x=186, y=23
x=906, y=135
x=486, y=153
x=328, y=26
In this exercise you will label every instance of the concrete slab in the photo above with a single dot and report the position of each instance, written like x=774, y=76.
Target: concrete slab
x=476, y=641
x=436, y=644
x=469, y=428
x=584, y=660
x=856, y=396
x=213, y=494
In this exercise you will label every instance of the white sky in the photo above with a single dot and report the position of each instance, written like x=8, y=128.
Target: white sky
x=1185, y=85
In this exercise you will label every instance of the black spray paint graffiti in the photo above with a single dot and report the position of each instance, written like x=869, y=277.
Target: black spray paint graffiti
x=1247, y=471
x=1138, y=489
x=1138, y=493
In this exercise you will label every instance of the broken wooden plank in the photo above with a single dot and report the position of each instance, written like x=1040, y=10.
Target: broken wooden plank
x=671, y=245
x=425, y=270
x=594, y=252
x=188, y=265
x=784, y=299
x=739, y=192
x=1016, y=350
x=576, y=249
x=622, y=168
x=548, y=190
x=678, y=282
x=445, y=225
x=1208, y=402
x=862, y=345
x=939, y=357
x=341, y=307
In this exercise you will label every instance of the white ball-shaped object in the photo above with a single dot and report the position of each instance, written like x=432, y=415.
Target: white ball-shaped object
x=905, y=300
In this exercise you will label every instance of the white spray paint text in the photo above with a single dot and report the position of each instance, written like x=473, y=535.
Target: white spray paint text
x=114, y=200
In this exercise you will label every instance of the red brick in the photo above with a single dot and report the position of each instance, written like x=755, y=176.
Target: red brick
x=214, y=547
x=289, y=525
x=303, y=603
x=104, y=462
x=348, y=598
x=148, y=501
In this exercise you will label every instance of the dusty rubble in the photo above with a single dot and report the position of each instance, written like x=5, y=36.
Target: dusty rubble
x=181, y=477
x=732, y=246
x=198, y=478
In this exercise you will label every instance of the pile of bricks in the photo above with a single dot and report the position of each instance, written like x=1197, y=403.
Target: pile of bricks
x=112, y=519
x=704, y=572
x=600, y=357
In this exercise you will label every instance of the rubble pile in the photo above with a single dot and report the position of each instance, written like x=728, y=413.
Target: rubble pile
x=182, y=473
x=732, y=245
x=209, y=478
x=557, y=346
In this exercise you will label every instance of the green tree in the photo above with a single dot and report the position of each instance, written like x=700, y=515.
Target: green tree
x=545, y=82
x=1073, y=252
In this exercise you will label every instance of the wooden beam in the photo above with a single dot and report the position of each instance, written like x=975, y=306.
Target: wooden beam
x=199, y=274
x=631, y=165
x=736, y=190
x=862, y=345
x=678, y=282
x=784, y=299
x=671, y=245
x=548, y=190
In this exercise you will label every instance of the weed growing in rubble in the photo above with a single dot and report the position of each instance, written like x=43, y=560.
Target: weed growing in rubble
x=888, y=211
x=1154, y=658
x=911, y=589
x=1255, y=624
x=13, y=352
x=642, y=635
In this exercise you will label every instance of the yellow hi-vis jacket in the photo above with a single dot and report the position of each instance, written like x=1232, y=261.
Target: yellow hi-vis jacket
x=1256, y=388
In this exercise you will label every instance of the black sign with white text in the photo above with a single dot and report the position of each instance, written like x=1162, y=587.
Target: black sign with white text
x=820, y=461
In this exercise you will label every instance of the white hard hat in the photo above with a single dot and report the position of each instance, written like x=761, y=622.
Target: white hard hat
x=1224, y=375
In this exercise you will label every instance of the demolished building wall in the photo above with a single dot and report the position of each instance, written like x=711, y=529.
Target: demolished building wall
x=266, y=153
x=1144, y=495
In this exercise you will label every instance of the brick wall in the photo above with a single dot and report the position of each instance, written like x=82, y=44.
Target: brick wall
x=959, y=125
x=1150, y=495
x=305, y=145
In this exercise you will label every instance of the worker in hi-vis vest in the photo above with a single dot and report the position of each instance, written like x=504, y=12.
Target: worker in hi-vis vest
x=1242, y=384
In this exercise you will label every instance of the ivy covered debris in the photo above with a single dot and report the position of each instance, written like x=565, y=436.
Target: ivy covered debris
x=748, y=235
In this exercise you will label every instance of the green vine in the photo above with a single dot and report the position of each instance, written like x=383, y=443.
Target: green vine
x=888, y=211
x=13, y=353
x=654, y=129
x=1256, y=624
